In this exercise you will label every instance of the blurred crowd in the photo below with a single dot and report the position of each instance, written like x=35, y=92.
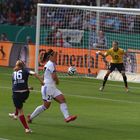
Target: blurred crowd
x=23, y=12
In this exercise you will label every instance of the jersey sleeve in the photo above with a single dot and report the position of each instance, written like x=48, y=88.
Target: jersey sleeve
x=27, y=71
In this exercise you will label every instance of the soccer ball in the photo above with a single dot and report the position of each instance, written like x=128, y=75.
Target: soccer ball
x=71, y=70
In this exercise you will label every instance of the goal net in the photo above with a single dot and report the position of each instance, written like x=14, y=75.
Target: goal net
x=76, y=33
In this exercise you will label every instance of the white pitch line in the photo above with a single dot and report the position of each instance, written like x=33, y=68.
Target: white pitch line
x=91, y=97
x=3, y=139
x=113, y=85
x=96, y=83
x=105, y=99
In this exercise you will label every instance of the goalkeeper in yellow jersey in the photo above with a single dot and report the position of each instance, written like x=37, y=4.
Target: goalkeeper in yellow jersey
x=116, y=54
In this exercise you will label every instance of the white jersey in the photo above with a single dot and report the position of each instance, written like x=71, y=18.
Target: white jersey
x=49, y=69
x=49, y=90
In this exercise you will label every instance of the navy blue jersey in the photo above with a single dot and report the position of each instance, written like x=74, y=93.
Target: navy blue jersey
x=20, y=79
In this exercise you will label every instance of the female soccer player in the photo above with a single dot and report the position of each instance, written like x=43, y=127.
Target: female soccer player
x=21, y=91
x=116, y=54
x=49, y=90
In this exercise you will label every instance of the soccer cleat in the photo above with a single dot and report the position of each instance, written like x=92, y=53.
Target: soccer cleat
x=12, y=115
x=28, y=119
x=28, y=131
x=101, y=88
x=70, y=118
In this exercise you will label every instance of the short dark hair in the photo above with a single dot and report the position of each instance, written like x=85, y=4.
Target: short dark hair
x=116, y=42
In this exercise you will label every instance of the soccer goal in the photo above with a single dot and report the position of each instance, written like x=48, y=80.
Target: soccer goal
x=76, y=33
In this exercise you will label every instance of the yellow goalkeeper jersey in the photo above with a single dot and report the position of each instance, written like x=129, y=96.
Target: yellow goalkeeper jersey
x=117, y=56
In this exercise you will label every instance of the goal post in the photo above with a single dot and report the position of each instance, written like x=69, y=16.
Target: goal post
x=37, y=37
x=76, y=33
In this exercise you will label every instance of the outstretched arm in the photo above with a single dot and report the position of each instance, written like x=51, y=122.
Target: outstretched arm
x=37, y=76
x=104, y=58
x=99, y=53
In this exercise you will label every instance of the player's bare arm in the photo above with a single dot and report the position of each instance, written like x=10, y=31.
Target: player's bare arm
x=37, y=76
x=55, y=78
x=100, y=53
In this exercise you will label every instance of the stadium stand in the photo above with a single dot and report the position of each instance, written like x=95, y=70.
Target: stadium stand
x=24, y=13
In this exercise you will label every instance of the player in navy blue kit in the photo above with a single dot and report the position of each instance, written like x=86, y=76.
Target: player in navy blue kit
x=21, y=91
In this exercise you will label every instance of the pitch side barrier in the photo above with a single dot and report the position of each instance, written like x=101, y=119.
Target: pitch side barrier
x=11, y=52
x=82, y=59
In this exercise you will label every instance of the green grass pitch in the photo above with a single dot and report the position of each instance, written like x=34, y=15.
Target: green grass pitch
x=109, y=115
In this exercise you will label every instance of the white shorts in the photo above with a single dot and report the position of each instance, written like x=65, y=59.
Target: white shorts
x=49, y=92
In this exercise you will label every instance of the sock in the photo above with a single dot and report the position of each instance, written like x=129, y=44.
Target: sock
x=64, y=110
x=105, y=79
x=23, y=121
x=16, y=112
x=37, y=111
x=125, y=81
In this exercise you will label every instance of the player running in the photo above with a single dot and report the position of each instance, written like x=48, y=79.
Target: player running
x=49, y=90
x=116, y=54
x=21, y=91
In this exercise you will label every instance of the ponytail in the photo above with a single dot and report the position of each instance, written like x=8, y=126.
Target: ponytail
x=47, y=55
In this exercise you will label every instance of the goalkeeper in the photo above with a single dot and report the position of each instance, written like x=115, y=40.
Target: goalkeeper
x=116, y=54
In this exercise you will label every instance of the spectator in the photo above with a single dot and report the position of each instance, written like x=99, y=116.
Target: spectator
x=109, y=22
x=28, y=40
x=58, y=38
x=76, y=21
x=50, y=36
x=117, y=23
x=100, y=41
x=54, y=37
x=130, y=20
x=92, y=21
x=3, y=37
x=113, y=3
x=86, y=19
x=32, y=20
x=105, y=3
x=66, y=42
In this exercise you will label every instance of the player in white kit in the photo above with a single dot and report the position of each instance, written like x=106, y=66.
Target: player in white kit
x=49, y=90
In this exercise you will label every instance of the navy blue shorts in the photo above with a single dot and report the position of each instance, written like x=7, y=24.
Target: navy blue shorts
x=119, y=66
x=19, y=98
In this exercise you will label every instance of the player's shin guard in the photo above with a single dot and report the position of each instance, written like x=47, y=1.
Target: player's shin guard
x=125, y=81
x=37, y=111
x=105, y=79
x=64, y=110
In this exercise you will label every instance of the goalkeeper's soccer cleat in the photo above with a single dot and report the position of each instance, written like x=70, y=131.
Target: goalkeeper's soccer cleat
x=70, y=118
x=28, y=119
x=12, y=115
x=101, y=88
x=28, y=131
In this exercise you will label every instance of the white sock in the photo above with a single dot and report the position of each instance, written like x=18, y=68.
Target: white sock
x=64, y=110
x=37, y=111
